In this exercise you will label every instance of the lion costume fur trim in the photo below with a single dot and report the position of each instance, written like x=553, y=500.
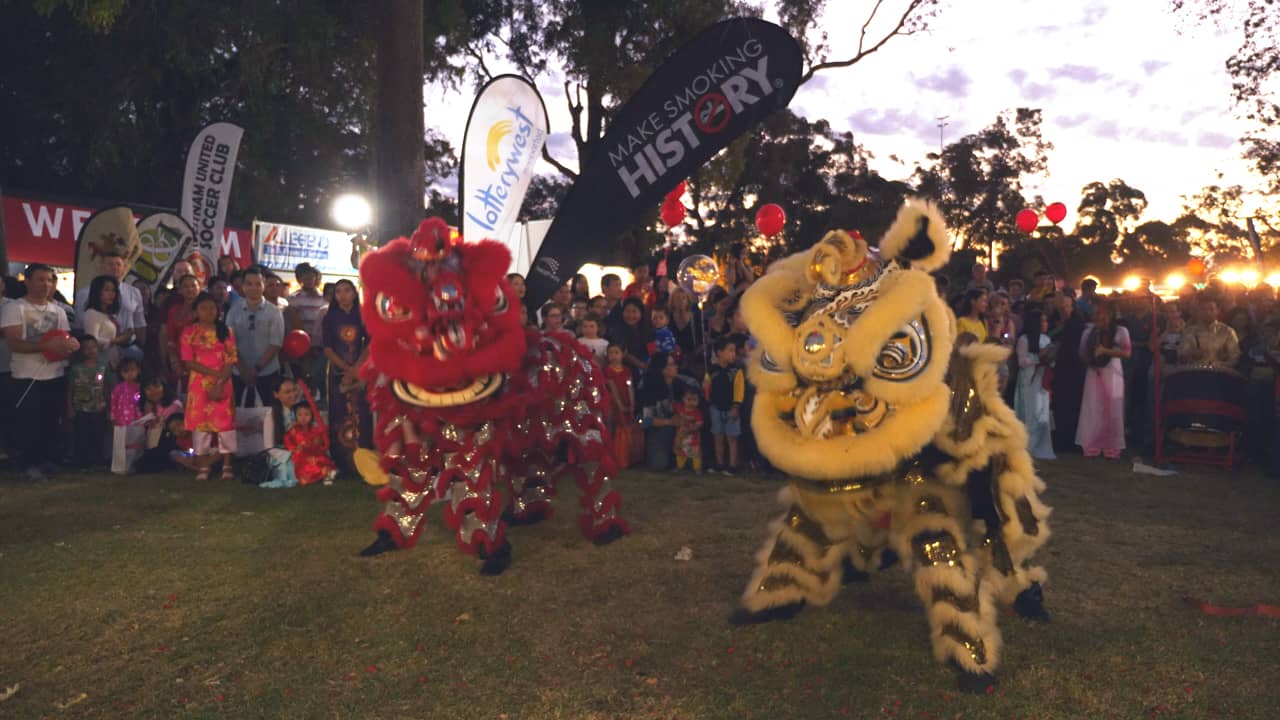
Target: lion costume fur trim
x=997, y=437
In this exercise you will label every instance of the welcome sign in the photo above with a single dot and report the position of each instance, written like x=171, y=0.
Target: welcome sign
x=711, y=91
x=505, y=134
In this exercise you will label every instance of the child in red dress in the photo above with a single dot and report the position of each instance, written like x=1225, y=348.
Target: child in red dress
x=308, y=443
x=688, y=445
x=618, y=376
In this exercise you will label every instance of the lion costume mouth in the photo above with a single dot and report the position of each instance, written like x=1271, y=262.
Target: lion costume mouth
x=832, y=409
x=476, y=390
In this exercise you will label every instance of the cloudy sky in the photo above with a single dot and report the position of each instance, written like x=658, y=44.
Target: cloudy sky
x=1123, y=93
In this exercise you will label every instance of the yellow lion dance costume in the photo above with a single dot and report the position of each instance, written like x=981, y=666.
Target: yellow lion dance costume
x=896, y=446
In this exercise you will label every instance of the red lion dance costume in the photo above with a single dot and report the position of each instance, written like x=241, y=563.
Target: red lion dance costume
x=470, y=408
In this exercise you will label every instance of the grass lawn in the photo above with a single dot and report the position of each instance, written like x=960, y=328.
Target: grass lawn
x=160, y=598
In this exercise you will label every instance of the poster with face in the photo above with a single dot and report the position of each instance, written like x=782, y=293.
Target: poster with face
x=110, y=231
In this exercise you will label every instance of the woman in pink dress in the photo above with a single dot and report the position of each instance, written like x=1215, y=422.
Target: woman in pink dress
x=1102, y=347
x=209, y=352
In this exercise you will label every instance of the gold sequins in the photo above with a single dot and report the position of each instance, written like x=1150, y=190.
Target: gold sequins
x=977, y=650
x=802, y=524
x=941, y=550
x=930, y=504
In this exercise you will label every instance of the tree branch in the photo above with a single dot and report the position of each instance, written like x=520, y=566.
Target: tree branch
x=479, y=59
x=511, y=54
x=564, y=170
x=864, y=51
x=574, y=101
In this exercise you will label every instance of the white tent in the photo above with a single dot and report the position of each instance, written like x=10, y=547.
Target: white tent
x=523, y=242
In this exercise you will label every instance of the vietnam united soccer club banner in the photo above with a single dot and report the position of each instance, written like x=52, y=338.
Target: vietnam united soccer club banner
x=711, y=91
x=505, y=133
x=206, y=187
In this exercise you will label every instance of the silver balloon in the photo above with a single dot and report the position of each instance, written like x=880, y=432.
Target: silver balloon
x=698, y=274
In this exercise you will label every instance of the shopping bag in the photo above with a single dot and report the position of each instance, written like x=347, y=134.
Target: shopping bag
x=126, y=446
x=255, y=426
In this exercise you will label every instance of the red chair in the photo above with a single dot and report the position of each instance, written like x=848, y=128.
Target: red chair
x=1201, y=415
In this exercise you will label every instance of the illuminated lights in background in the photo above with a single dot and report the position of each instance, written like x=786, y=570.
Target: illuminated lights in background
x=1229, y=276
x=1273, y=280
x=1250, y=278
x=352, y=212
x=1132, y=283
x=1175, y=281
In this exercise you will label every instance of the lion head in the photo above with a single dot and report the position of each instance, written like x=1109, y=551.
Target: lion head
x=853, y=345
x=442, y=320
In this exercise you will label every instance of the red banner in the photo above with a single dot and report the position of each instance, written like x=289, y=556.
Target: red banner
x=45, y=231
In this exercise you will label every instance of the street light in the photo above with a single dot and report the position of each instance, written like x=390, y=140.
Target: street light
x=1132, y=283
x=1250, y=278
x=352, y=212
x=1175, y=281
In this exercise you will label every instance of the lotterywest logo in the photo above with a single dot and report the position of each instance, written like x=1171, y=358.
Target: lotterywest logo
x=703, y=107
x=548, y=267
x=494, y=197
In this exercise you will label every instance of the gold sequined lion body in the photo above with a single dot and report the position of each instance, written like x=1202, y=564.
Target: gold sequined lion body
x=897, y=447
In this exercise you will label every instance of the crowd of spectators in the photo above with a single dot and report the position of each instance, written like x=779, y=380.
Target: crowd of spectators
x=176, y=366
x=180, y=361
x=1084, y=368
x=676, y=368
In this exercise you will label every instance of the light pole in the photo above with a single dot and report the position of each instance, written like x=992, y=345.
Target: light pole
x=942, y=123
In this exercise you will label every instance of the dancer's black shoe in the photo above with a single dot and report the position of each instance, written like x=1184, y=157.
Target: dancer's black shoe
x=1030, y=604
x=382, y=544
x=852, y=574
x=613, y=533
x=743, y=616
x=495, y=562
x=975, y=683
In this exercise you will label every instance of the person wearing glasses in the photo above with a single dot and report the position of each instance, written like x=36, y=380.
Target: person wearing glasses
x=259, y=330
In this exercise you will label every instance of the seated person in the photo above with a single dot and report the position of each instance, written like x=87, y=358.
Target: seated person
x=1208, y=341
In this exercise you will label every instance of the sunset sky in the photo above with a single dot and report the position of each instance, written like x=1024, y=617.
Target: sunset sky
x=1124, y=94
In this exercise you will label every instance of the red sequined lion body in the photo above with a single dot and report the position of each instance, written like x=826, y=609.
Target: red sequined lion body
x=471, y=409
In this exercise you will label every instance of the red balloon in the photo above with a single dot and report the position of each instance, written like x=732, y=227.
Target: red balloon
x=678, y=191
x=55, y=357
x=1056, y=212
x=296, y=344
x=1027, y=220
x=770, y=219
x=1196, y=267
x=672, y=212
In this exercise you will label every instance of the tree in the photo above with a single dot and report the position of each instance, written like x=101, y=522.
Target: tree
x=136, y=81
x=819, y=176
x=1107, y=212
x=543, y=197
x=607, y=49
x=399, y=162
x=1255, y=77
x=978, y=180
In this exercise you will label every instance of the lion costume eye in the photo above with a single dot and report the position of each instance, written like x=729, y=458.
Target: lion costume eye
x=500, y=301
x=906, y=354
x=390, y=310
